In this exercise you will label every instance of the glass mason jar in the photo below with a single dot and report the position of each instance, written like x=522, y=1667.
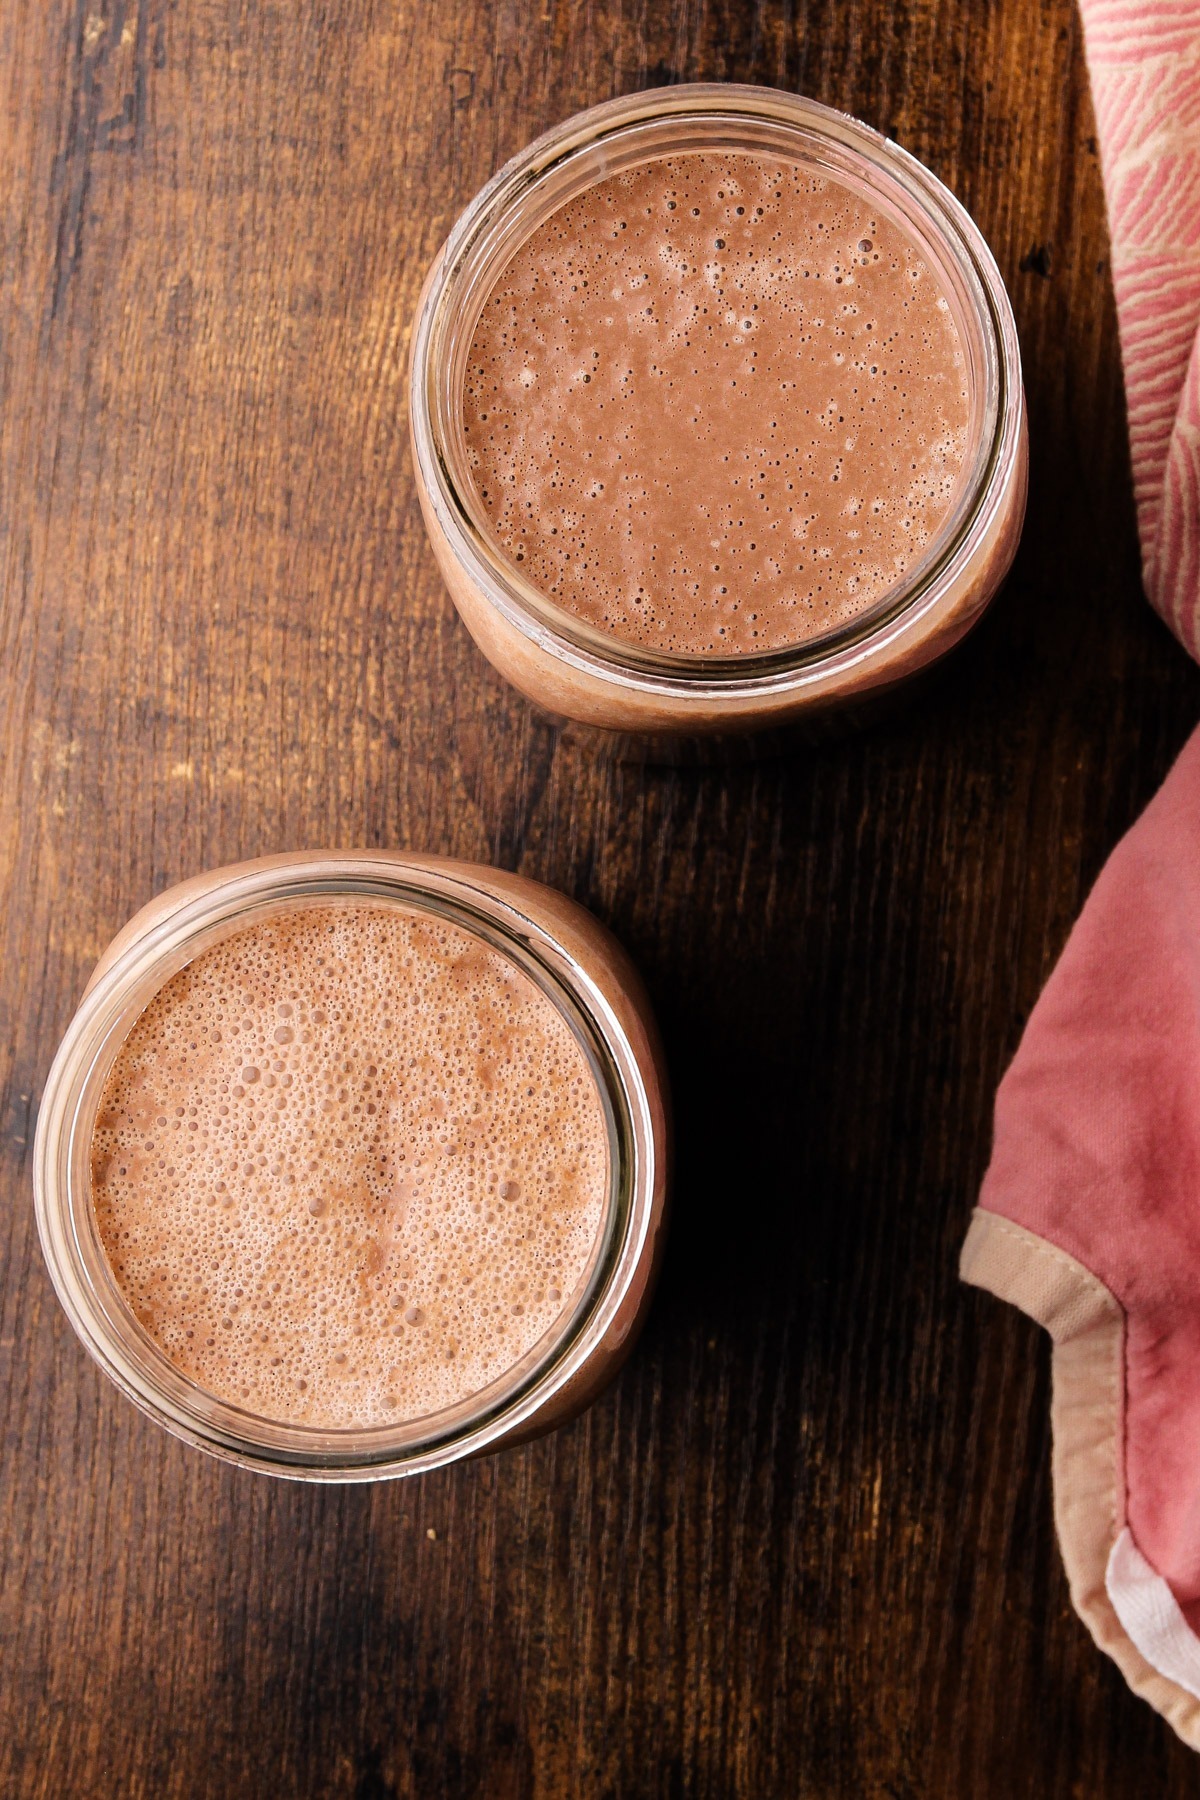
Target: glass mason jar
x=577, y=671
x=573, y=962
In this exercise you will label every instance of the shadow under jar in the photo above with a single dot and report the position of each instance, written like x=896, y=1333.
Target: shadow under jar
x=717, y=415
x=350, y=1165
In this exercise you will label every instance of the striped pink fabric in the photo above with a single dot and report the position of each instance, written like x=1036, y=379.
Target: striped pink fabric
x=1144, y=61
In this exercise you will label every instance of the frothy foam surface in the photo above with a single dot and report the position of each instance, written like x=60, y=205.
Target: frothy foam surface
x=717, y=404
x=349, y=1166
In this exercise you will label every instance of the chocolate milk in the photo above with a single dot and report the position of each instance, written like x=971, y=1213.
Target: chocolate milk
x=350, y=1164
x=717, y=404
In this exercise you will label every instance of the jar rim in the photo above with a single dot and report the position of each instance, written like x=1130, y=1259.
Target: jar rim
x=471, y=261
x=87, y=1287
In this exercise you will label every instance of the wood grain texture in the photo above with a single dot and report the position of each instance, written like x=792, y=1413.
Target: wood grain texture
x=804, y=1545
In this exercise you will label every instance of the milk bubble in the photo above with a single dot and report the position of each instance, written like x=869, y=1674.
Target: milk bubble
x=294, y=1214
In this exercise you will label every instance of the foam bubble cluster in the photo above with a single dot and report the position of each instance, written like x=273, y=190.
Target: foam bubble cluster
x=717, y=404
x=350, y=1164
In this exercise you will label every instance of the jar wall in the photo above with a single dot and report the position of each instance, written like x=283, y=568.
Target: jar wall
x=540, y=927
x=594, y=678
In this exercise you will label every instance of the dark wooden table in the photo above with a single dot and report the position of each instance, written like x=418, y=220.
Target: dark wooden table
x=804, y=1546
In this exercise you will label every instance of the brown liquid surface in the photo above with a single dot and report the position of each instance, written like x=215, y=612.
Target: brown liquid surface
x=349, y=1166
x=717, y=405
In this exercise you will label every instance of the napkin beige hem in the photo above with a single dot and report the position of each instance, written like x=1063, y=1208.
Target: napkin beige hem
x=1087, y=1325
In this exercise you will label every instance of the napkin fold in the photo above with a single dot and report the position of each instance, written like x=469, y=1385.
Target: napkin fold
x=1089, y=1217
x=1144, y=63
x=1089, y=1220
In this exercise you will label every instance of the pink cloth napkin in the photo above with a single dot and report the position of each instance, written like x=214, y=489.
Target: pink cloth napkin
x=1089, y=1217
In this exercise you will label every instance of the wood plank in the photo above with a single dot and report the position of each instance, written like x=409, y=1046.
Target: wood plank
x=804, y=1545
